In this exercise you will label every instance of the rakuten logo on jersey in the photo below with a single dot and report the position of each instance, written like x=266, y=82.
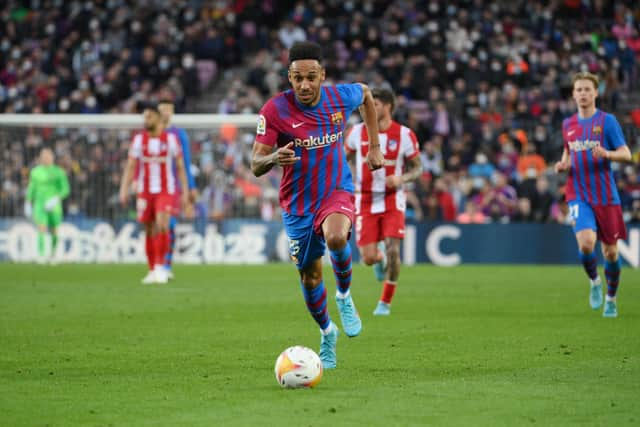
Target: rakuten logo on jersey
x=314, y=142
x=585, y=145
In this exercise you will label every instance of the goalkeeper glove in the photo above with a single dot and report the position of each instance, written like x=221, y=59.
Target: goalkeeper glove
x=27, y=209
x=50, y=204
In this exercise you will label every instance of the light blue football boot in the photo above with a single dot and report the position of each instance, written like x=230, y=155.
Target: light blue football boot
x=595, y=294
x=610, y=309
x=382, y=309
x=380, y=268
x=349, y=316
x=328, y=347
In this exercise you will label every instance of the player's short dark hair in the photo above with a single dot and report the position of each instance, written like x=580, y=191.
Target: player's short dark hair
x=305, y=50
x=386, y=96
x=147, y=105
x=166, y=101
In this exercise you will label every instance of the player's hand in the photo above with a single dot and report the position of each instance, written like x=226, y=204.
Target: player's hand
x=184, y=200
x=51, y=204
x=189, y=212
x=562, y=166
x=375, y=159
x=599, y=152
x=285, y=156
x=193, y=195
x=27, y=209
x=393, y=181
x=124, y=198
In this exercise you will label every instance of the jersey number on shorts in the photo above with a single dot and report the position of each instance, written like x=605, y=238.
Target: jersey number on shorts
x=573, y=211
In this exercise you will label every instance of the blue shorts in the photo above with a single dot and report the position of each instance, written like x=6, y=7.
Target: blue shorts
x=306, y=241
x=305, y=245
x=582, y=216
x=607, y=221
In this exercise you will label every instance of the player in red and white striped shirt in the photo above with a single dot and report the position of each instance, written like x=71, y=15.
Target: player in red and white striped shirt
x=380, y=197
x=153, y=154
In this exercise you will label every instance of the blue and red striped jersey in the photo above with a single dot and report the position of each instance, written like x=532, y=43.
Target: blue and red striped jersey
x=591, y=180
x=317, y=134
x=186, y=156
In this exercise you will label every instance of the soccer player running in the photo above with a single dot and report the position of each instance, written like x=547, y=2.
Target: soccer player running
x=48, y=186
x=167, y=109
x=380, y=198
x=592, y=140
x=305, y=127
x=154, y=153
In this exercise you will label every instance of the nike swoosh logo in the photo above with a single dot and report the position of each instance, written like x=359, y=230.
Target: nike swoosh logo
x=571, y=132
x=296, y=125
x=346, y=208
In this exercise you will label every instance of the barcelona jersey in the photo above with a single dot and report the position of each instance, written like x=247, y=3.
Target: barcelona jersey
x=317, y=133
x=591, y=180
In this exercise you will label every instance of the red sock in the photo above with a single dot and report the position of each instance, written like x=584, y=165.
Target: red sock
x=148, y=245
x=161, y=247
x=387, y=292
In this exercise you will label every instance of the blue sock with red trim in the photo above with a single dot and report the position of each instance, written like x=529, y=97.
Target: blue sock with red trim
x=168, y=259
x=316, y=300
x=341, y=262
x=590, y=264
x=612, y=273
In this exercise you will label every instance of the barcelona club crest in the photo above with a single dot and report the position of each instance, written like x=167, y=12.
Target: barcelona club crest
x=597, y=130
x=337, y=118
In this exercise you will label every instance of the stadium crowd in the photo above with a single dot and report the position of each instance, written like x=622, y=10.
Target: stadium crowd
x=484, y=86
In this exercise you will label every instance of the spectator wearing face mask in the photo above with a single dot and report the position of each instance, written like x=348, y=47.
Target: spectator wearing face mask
x=531, y=164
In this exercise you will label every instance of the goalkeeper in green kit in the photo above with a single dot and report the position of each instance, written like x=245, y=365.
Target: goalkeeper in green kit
x=48, y=186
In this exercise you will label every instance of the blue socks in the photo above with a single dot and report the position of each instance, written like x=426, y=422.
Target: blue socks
x=612, y=273
x=316, y=300
x=341, y=262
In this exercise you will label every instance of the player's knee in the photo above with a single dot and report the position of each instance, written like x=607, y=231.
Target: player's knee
x=587, y=245
x=310, y=280
x=393, y=253
x=335, y=241
x=610, y=253
x=369, y=258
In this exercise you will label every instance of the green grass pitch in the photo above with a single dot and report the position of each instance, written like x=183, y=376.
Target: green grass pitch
x=88, y=345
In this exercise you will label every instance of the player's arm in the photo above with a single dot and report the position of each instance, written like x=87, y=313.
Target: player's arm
x=413, y=171
x=127, y=176
x=63, y=184
x=264, y=158
x=614, y=138
x=375, y=159
x=565, y=163
x=182, y=176
x=620, y=154
x=186, y=156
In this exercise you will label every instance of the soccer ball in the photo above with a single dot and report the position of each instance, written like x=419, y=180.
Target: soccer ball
x=298, y=367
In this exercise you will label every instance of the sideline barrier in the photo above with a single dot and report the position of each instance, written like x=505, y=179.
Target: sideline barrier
x=240, y=241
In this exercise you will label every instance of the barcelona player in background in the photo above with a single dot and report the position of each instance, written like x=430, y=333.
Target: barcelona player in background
x=302, y=130
x=167, y=109
x=592, y=140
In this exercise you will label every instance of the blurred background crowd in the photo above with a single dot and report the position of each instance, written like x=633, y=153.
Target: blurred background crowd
x=485, y=86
